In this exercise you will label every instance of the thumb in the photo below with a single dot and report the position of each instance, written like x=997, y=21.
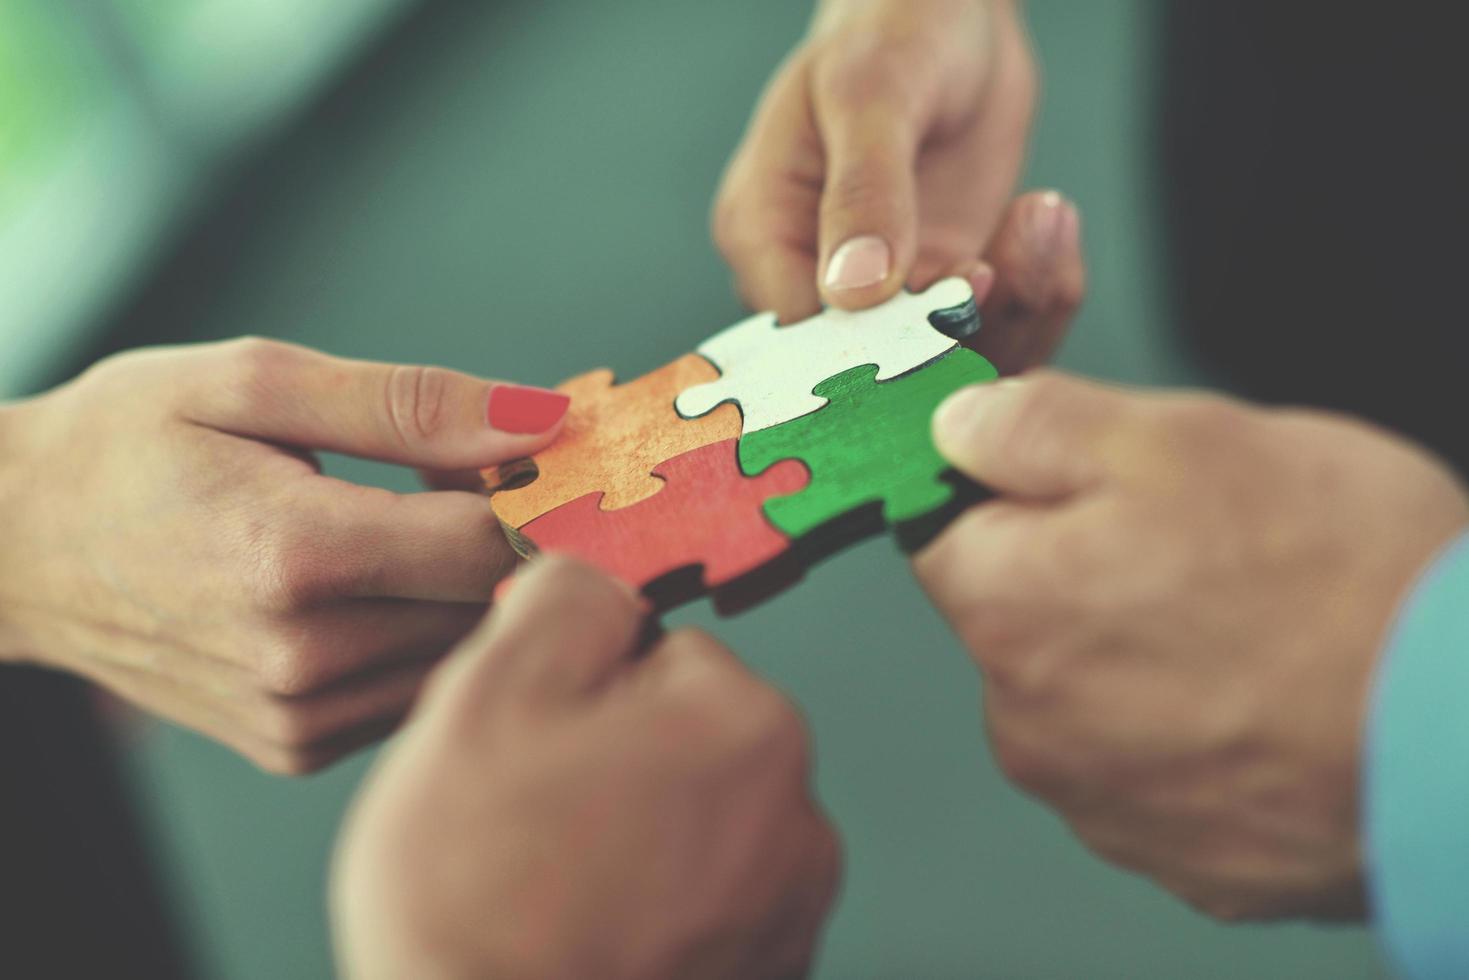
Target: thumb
x=414, y=415
x=869, y=221
x=1041, y=435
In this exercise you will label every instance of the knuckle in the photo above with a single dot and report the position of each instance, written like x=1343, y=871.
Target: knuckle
x=255, y=365
x=1201, y=420
x=741, y=711
x=288, y=570
x=287, y=668
x=1220, y=906
x=774, y=729
x=1024, y=82
x=1120, y=845
x=708, y=662
x=416, y=398
x=278, y=760
x=726, y=224
x=830, y=854
x=300, y=657
x=1020, y=670
x=289, y=726
x=252, y=350
x=1020, y=763
x=289, y=762
x=859, y=70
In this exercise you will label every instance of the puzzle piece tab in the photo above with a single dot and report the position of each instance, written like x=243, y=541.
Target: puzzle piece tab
x=613, y=438
x=771, y=371
x=871, y=444
x=707, y=515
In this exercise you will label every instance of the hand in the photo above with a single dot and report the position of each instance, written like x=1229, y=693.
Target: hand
x=560, y=807
x=168, y=535
x=1177, y=602
x=883, y=152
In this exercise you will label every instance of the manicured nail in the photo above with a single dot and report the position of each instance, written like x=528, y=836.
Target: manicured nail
x=858, y=262
x=523, y=410
x=1043, y=226
x=963, y=413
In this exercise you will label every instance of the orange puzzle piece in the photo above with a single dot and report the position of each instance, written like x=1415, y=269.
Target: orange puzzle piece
x=709, y=514
x=613, y=438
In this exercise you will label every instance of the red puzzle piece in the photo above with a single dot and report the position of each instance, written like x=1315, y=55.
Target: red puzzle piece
x=708, y=514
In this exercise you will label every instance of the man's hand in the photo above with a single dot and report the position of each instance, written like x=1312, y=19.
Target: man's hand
x=560, y=807
x=1177, y=602
x=883, y=152
x=167, y=534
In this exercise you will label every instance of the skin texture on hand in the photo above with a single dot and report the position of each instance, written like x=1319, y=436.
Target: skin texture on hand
x=1177, y=602
x=882, y=152
x=559, y=806
x=169, y=536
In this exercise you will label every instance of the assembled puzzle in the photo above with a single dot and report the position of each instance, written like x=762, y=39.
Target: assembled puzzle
x=730, y=471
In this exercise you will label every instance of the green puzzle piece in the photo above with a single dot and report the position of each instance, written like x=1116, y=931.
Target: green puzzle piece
x=871, y=443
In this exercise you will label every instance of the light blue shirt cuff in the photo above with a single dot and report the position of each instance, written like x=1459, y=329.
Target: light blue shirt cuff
x=1415, y=779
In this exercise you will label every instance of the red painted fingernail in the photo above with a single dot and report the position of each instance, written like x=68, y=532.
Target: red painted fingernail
x=523, y=410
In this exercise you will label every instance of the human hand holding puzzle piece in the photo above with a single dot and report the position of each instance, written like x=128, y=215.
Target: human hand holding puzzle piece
x=730, y=470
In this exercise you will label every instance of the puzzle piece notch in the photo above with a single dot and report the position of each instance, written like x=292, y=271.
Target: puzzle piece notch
x=708, y=514
x=772, y=372
x=611, y=441
x=871, y=445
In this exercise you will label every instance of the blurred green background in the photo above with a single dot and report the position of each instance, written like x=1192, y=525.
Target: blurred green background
x=520, y=189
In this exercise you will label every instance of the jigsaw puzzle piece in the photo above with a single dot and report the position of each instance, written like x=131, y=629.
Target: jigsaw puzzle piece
x=871, y=445
x=613, y=437
x=708, y=515
x=770, y=371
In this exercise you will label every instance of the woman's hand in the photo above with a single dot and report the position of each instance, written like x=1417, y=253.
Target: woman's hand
x=560, y=806
x=883, y=152
x=168, y=535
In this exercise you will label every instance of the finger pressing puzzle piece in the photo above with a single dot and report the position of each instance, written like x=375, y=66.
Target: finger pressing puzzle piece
x=771, y=371
x=870, y=446
x=613, y=438
x=707, y=515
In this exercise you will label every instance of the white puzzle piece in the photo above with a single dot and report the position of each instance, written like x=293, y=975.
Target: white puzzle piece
x=769, y=370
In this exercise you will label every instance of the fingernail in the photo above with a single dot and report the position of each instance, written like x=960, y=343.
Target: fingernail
x=858, y=262
x=1044, y=224
x=523, y=410
x=963, y=412
x=981, y=277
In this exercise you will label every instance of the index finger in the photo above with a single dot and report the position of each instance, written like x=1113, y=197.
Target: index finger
x=335, y=540
x=764, y=217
